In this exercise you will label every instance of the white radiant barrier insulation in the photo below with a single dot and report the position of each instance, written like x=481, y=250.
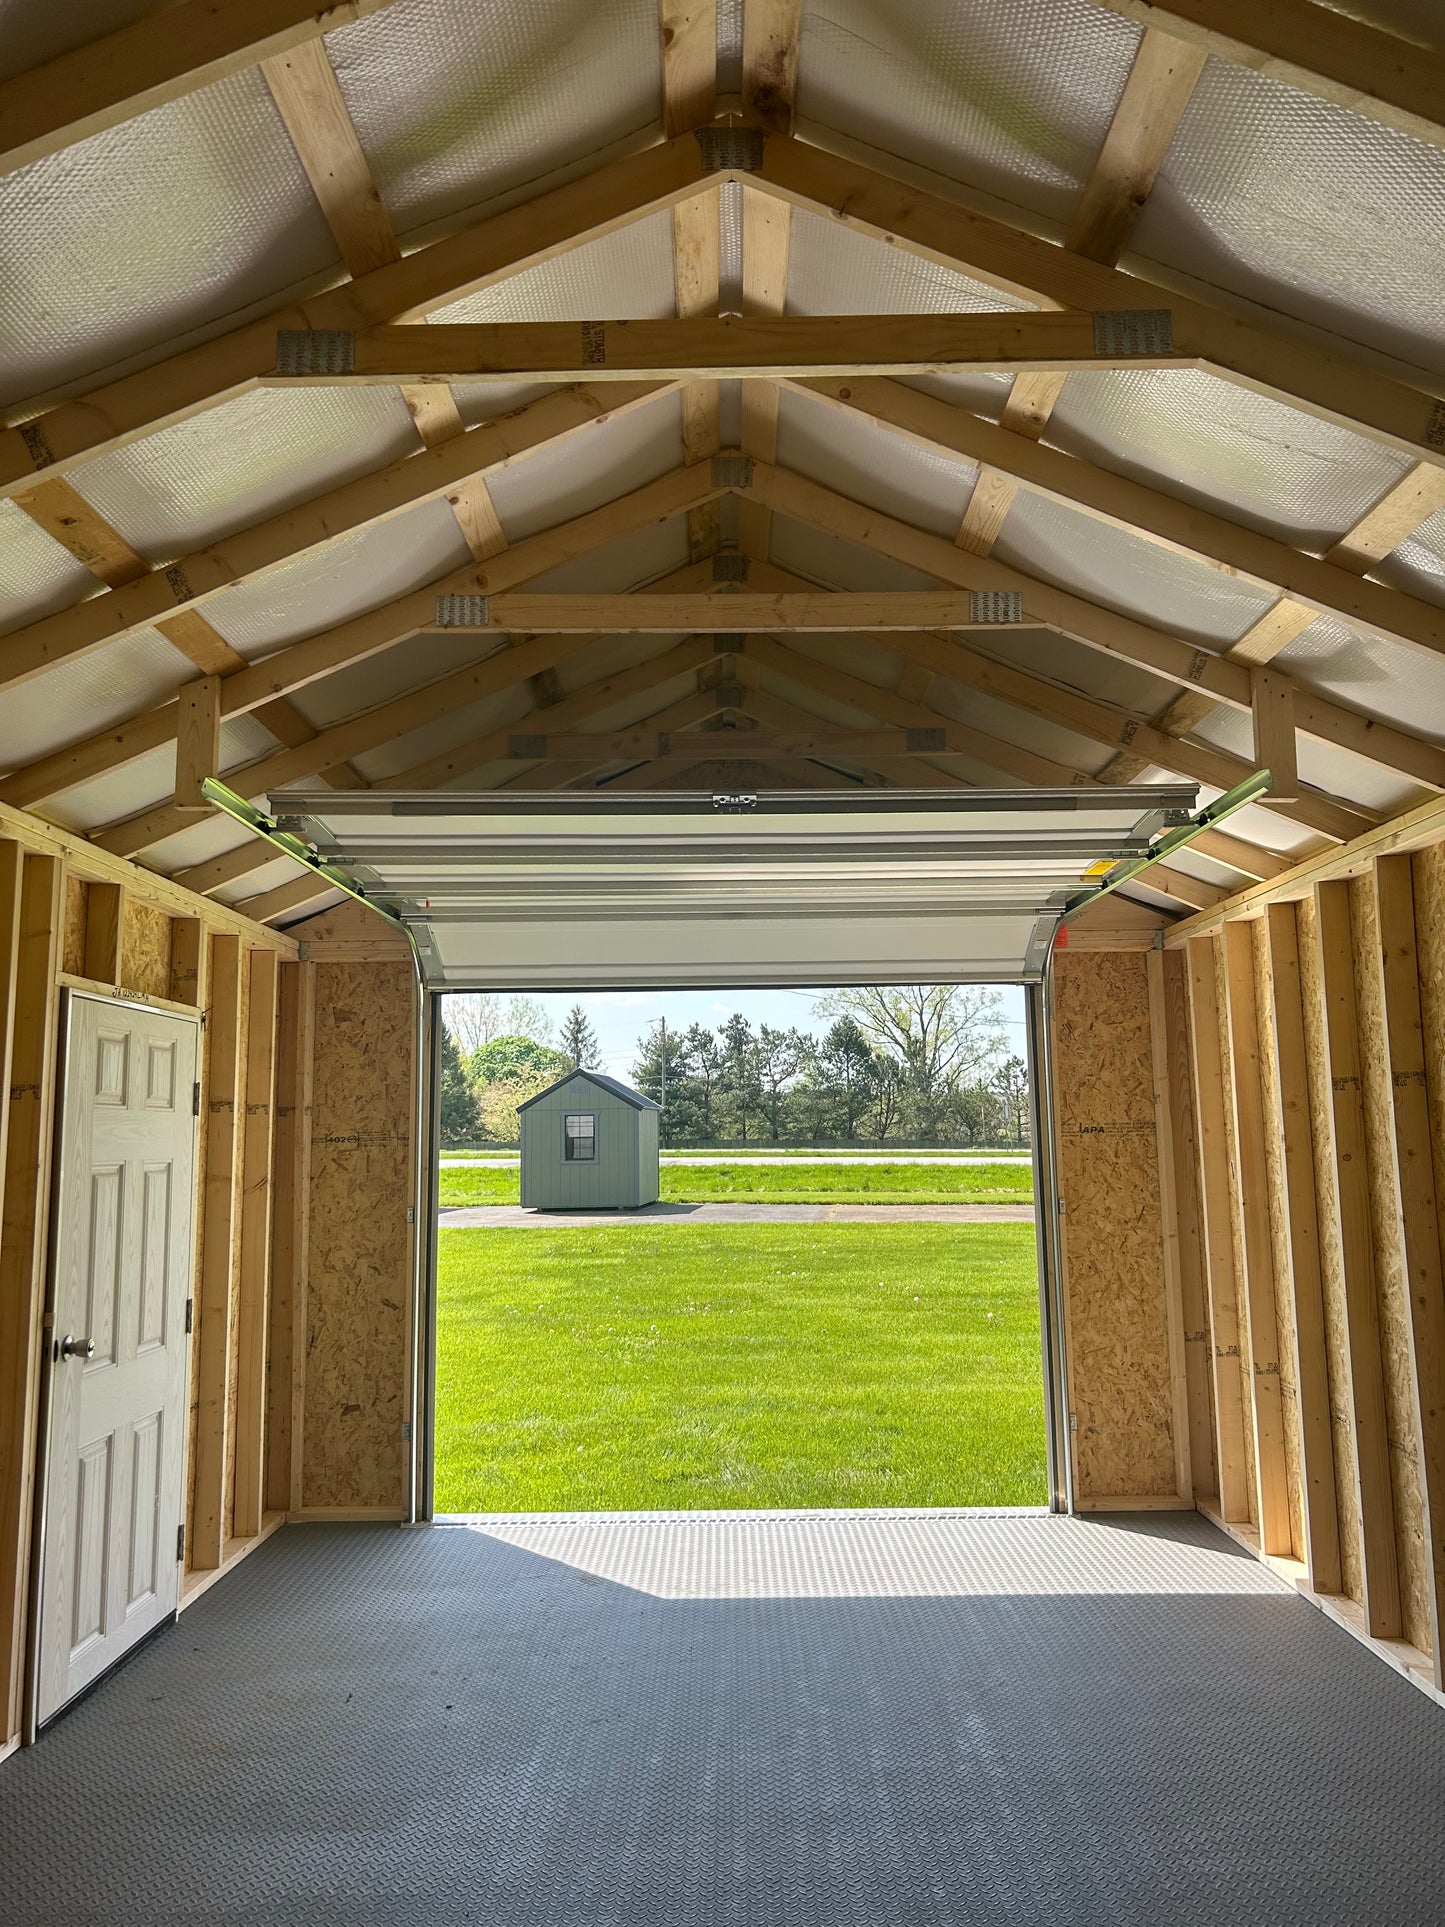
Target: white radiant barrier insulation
x=37, y=576
x=625, y=276
x=455, y=103
x=1015, y=99
x=609, y=460
x=326, y=586
x=206, y=212
x=1292, y=202
x=254, y=455
x=1256, y=460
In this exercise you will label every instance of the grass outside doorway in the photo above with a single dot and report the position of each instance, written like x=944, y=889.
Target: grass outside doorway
x=784, y=1184
x=704, y=1367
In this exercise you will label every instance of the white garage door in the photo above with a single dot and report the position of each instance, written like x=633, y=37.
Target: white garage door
x=632, y=888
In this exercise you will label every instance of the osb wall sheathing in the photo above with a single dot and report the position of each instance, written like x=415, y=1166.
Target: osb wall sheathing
x=1120, y=1384
x=1279, y=1243
x=72, y=952
x=1236, y=1237
x=354, y=1453
x=1390, y=1286
x=145, y=949
x=1332, y=1278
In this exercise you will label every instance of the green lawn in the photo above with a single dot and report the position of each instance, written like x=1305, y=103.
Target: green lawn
x=781, y=1184
x=705, y=1366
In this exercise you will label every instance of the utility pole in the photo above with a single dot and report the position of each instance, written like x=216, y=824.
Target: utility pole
x=662, y=1097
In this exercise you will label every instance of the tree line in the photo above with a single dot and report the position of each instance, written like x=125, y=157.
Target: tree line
x=904, y=1064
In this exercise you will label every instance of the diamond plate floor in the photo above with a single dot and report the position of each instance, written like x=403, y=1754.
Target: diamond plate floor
x=740, y=1721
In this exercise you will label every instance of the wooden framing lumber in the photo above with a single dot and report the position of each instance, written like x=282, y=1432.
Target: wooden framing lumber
x=198, y=742
x=1398, y=513
x=772, y=35
x=1251, y=1202
x=1336, y=58
x=1272, y=703
x=687, y=30
x=291, y=1228
x=254, y=1287
x=1172, y=1025
x=717, y=347
x=1330, y=584
x=220, y=1253
x=988, y=506
x=1144, y=124
x=1330, y=381
x=1148, y=112
x=818, y=741
x=1087, y=622
x=63, y=512
x=1211, y=1138
x=308, y=98
x=104, y=922
x=1304, y=1281
x=1352, y=1231
x=360, y=636
x=744, y=610
x=31, y=915
x=1416, y=1207
x=187, y=584
x=1172, y=1205
x=475, y=257
x=156, y=59
x=688, y=33
x=596, y=698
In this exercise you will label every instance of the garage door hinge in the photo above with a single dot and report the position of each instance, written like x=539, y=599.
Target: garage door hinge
x=181, y=1541
x=190, y=1312
x=195, y=1100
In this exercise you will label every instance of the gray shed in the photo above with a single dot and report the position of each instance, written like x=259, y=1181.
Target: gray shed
x=589, y=1143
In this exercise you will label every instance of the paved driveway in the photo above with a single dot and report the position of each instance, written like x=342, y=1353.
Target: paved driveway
x=508, y=1215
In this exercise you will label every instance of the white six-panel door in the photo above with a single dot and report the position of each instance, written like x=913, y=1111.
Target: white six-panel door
x=122, y=1260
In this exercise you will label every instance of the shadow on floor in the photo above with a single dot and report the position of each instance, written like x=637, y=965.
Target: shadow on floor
x=369, y=1725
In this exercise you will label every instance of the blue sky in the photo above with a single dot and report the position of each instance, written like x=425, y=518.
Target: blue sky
x=619, y=1017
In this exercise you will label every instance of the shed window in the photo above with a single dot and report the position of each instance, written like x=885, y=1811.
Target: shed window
x=579, y=1138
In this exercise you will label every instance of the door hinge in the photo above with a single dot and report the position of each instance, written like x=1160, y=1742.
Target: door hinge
x=190, y=1312
x=181, y=1540
x=195, y=1100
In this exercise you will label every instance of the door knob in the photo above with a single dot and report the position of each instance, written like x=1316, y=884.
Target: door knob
x=77, y=1347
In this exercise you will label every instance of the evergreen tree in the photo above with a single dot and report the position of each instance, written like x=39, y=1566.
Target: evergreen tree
x=459, y=1120
x=847, y=1078
x=739, y=1080
x=578, y=1042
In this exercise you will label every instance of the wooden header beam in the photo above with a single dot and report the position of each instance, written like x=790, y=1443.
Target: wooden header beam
x=720, y=347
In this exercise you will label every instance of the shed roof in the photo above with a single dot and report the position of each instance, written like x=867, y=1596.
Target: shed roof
x=612, y=1085
x=1276, y=497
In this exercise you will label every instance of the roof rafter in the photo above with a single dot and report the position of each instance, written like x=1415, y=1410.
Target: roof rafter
x=64, y=514
x=478, y=256
x=1334, y=381
x=1149, y=110
x=688, y=33
x=351, y=641
x=153, y=596
x=156, y=59
x=1165, y=519
x=1364, y=68
x=1097, y=627
x=1003, y=758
